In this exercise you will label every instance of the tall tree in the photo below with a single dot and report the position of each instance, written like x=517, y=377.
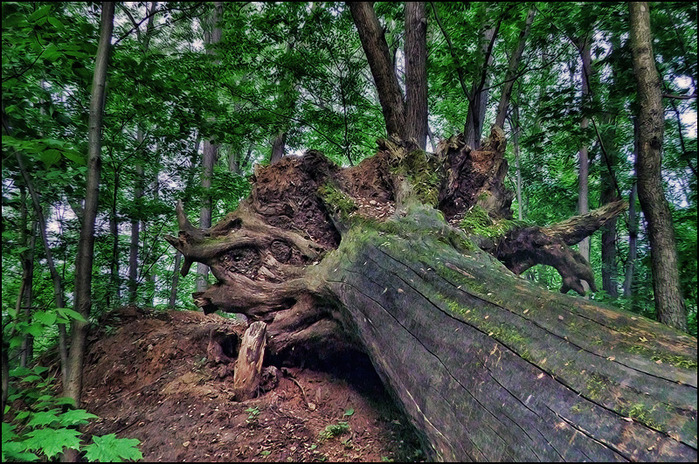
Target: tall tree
x=512, y=67
x=212, y=36
x=416, y=73
x=478, y=95
x=376, y=49
x=584, y=44
x=669, y=303
x=83, y=265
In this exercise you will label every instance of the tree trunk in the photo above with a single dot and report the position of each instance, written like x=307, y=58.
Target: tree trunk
x=376, y=49
x=609, y=195
x=478, y=96
x=172, y=302
x=583, y=158
x=83, y=266
x=486, y=365
x=512, y=66
x=28, y=342
x=114, y=290
x=416, y=73
x=135, y=232
x=248, y=367
x=669, y=303
x=56, y=279
x=210, y=151
x=633, y=236
x=278, y=148
x=514, y=129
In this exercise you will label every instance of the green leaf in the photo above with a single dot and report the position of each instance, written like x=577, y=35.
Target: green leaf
x=75, y=417
x=8, y=431
x=56, y=23
x=16, y=341
x=60, y=401
x=50, y=157
x=349, y=412
x=68, y=314
x=74, y=156
x=35, y=329
x=110, y=448
x=45, y=317
x=31, y=378
x=15, y=451
x=44, y=418
x=51, y=442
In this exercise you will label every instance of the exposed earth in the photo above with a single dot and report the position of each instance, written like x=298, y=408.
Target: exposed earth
x=153, y=375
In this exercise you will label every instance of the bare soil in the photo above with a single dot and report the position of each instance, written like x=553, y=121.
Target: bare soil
x=147, y=376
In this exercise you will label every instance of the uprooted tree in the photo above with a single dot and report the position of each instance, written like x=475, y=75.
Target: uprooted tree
x=487, y=365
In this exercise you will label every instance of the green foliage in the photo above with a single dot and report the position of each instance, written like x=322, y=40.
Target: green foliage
x=109, y=448
x=38, y=425
x=334, y=430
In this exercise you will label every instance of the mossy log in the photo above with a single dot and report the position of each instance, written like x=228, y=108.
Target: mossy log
x=487, y=365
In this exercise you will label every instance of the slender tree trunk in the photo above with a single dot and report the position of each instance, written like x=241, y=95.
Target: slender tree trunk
x=478, y=101
x=135, y=233
x=114, y=230
x=669, y=303
x=510, y=78
x=416, y=73
x=633, y=236
x=28, y=342
x=83, y=265
x=608, y=195
x=55, y=276
x=515, y=128
x=211, y=36
x=278, y=147
x=376, y=49
x=175, y=280
x=584, y=161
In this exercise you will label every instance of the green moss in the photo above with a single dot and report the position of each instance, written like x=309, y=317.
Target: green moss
x=641, y=413
x=505, y=334
x=478, y=222
x=683, y=362
x=423, y=173
x=595, y=385
x=339, y=202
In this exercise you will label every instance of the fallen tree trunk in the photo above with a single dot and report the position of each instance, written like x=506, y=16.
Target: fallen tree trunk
x=486, y=365
x=490, y=367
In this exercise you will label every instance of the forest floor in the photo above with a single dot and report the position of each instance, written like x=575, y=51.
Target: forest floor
x=147, y=376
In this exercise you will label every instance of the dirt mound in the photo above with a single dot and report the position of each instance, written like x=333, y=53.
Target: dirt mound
x=147, y=376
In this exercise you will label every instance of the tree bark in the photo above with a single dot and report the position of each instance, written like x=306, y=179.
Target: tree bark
x=135, y=231
x=416, y=73
x=248, y=367
x=669, y=302
x=278, y=148
x=583, y=158
x=376, y=49
x=478, y=95
x=83, y=275
x=512, y=66
x=633, y=236
x=212, y=35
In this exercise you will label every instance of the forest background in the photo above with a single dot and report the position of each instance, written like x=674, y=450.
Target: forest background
x=197, y=94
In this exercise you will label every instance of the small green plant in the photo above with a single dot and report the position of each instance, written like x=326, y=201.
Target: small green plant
x=43, y=426
x=265, y=452
x=333, y=430
x=253, y=415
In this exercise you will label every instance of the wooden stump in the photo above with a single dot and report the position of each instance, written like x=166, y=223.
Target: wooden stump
x=248, y=367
